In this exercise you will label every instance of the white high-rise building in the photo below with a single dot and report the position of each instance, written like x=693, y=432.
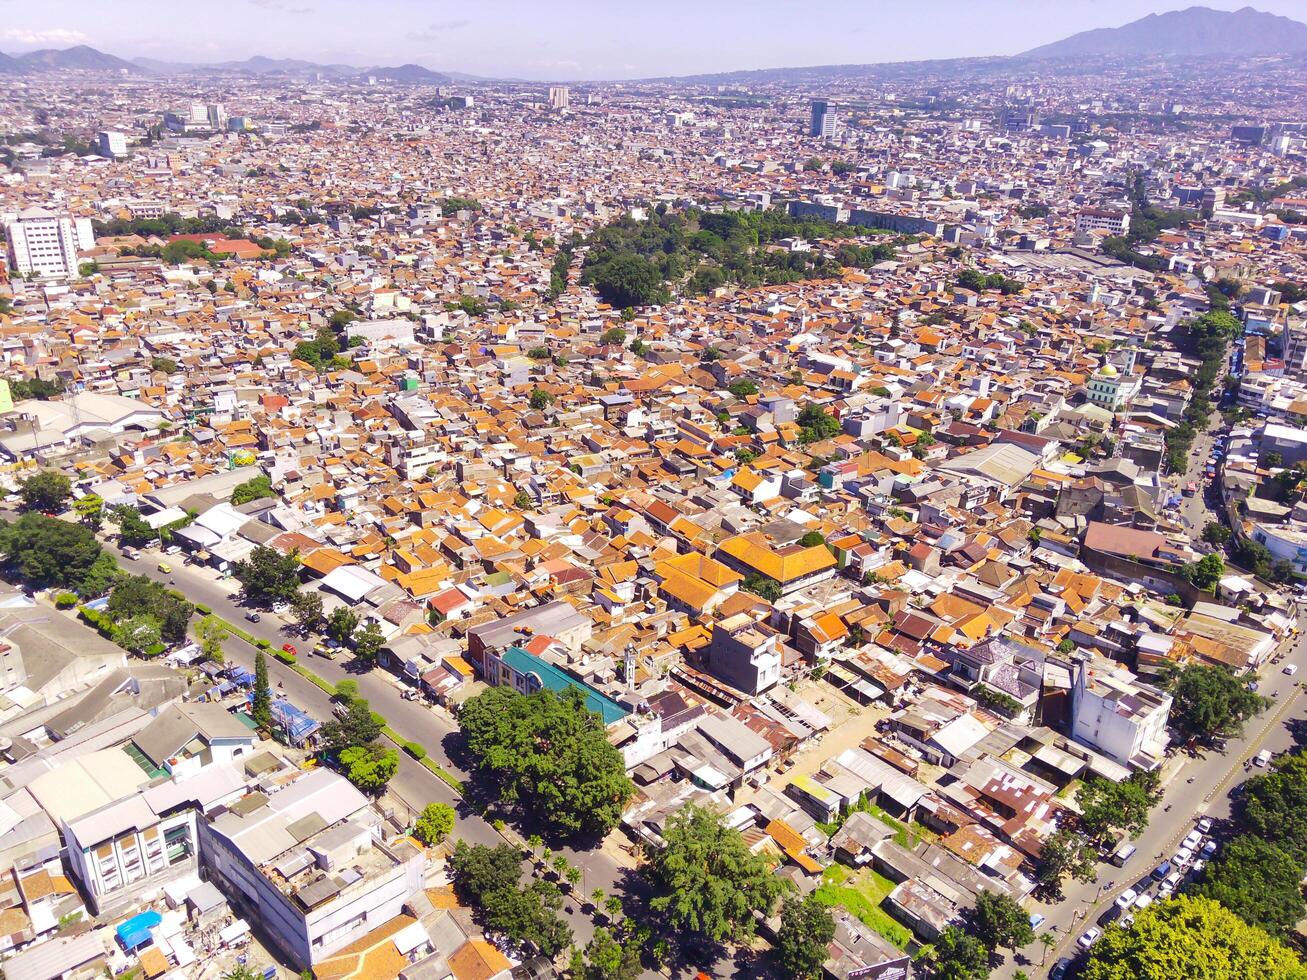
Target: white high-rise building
x=44, y=244
x=111, y=144
x=558, y=96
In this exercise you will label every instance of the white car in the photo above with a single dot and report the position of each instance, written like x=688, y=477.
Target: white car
x=1164, y=891
x=1089, y=938
x=1192, y=840
x=1183, y=857
x=1291, y=669
x=1205, y=825
x=1126, y=921
x=1143, y=901
x=1197, y=869
x=1126, y=899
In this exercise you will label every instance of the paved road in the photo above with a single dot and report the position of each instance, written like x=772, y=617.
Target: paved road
x=413, y=720
x=1213, y=775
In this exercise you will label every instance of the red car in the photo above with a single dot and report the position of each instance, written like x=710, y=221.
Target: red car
x=289, y=648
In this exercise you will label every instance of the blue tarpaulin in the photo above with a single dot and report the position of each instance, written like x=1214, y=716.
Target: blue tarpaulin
x=242, y=676
x=295, y=723
x=136, y=930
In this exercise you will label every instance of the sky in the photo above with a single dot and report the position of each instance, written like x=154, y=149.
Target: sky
x=572, y=40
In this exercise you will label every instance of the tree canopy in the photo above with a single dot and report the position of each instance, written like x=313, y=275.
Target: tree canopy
x=1210, y=702
x=435, y=823
x=1273, y=806
x=255, y=488
x=45, y=551
x=489, y=880
x=806, y=931
x=999, y=920
x=1106, y=804
x=1258, y=881
x=1064, y=853
x=268, y=575
x=549, y=754
x=46, y=491
x=369, y=767
x=356, y=726
x=1189, y=937
x=960, y=956
x=706, y=880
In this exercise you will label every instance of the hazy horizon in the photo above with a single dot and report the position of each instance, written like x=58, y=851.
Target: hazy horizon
x=576, y=39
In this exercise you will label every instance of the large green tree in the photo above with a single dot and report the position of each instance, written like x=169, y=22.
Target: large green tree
x=1190, y=938
x=435, y=823
x=1211, y=702
x=1106, y=804
x=356, y=726
x=1258, y=881
x=548, y=753
x=47, y=491
x=804, y=936
x=489, y=880
x=255, y=488
x=999, y=920
x=1273, y=806
x=269, y=576
x=261, y=707
x=960, y=956
x=610, y=955
x=45, y=551
x=705, y=879
x=1064, y=853
x=369, y=767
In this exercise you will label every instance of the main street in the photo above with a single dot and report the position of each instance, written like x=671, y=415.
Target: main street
x=413, y=783
x=1199, y=787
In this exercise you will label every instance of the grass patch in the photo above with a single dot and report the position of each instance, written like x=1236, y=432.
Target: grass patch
x=313, y=678
x=906, y=835
x=861, y=892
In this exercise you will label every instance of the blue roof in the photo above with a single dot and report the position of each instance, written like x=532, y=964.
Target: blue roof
x=554, y=679
x=297, y=723
x=136, y=930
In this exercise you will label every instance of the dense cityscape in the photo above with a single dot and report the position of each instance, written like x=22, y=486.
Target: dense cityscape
x=816, y=523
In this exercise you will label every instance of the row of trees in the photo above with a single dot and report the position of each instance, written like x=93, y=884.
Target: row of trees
x=1207, y=337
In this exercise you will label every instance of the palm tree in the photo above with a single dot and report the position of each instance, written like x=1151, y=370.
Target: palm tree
x=560, y=865
x=573, y=874
x=613, y=907
x=1049, y=941
x=535, y=843
x=597, y=897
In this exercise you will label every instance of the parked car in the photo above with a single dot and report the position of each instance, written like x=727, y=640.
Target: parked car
x=1060, y=969
x=1126, y=898
x=1036, y=920
x=172, y=549
x=1143, y=901
x=1208, y=850
x=289, y=648
x=1182, y=858
x=1205, y=825
x=132, y=553
x=1262, y=758
x=1162, y=870
x=1089, y=938
x=1290, y=669
x=1192, y=839
x=253, y=617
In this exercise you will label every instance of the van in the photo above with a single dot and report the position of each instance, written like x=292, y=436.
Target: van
x=1123, y=854
x=1162, y=870
x=1262, y=758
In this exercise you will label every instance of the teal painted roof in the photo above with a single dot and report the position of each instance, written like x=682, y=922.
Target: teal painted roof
x=554, y=679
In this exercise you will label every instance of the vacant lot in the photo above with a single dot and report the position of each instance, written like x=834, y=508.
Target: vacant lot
x=861, y=892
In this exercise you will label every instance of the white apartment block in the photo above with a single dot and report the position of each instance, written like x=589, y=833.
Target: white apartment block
x=45, y=245
x=1120, y=717
x=1104, y=219
x=559, y=97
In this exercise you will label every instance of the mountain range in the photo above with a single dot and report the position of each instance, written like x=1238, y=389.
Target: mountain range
x=1191, y=33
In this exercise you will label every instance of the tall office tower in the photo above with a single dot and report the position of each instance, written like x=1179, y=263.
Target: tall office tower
x=217, y=116
x=558, y=96
x=45, y=244
x=111, y=144
x=823, y=120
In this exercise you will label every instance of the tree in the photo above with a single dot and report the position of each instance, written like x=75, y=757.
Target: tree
x=211, y=632
x=357, y=726
x=369, y=767
x=1210, y=702
x=960, y=956
x=816, y=425
x=242, y=973
x=341, y=624
x=45, y=551
x=268, y=575
x=255, y=488
x=261, y=708
x=1000, y=921
x=705, y=879
x=1258, y=881
x=135, y=595
x=1274, y=806
x=489, y=879
x=45, y=491
x=1189, y=937
x=1205, y=572
x=549, y=754
x=812, y=539
x=523, y=500
x=610, y=957
x=806, y=930
x=165, y=364
x=743, y=388
x=613, y=335
x=627, y=279
x=1065, y=853
x=306, y=607
x=762, y=586
x=368, y=641
x=540, y=399
x=132, y=528
x=435, y=823
x=1106, y=805
x=137, y=634
x=1216, y=533
x=90, y=510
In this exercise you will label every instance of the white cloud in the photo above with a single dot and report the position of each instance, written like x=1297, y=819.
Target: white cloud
x=55, y=35
x=433, y=31
x=281, y=6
